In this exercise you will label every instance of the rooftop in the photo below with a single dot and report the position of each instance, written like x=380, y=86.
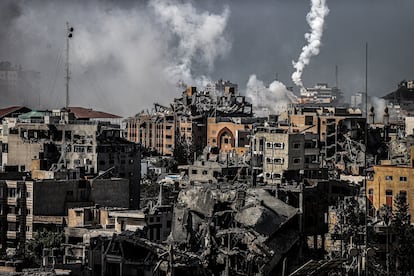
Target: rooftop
x=89, y=113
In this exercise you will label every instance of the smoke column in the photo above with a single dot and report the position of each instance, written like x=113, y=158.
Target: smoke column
x=315, y=19
x=135, y=51
x=200, y=36
x=273, y=99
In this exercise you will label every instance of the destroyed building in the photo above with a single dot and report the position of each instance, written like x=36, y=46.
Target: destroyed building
x=217, y=117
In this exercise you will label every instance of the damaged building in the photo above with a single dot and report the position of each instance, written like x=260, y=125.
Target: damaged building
x=218, y=117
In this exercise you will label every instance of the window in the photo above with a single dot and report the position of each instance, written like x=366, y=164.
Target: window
x=278, y=161
x=296, y=145
x=277, y=176
x=296, y=160
x=78, y=213
x=268, y=175
x=269, y=160
x=388, y=177
x=226, y=140
x=371, y=195
x=269, y=145
x=388, y=198
x=11, y=192
x=193, y=171
x=308, y=120
x=278, y=145
x=205, y=172
x=403, y=178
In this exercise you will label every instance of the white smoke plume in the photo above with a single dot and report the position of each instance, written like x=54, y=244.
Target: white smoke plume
x=273, y=99
x=315, y=19
x=135, y=51
x=200, y=36
x=379, y=106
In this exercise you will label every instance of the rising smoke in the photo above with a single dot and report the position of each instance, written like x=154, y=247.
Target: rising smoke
x=266, y=100
x=135, y=52
x=315, y=19
x=200, y=36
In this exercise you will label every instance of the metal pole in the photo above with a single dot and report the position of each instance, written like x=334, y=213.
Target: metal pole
x=67, y=65
x=365, y=157
x=387, y=255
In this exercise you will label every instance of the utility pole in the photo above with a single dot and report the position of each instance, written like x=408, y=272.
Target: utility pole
x=365, y=159
x=69, y=35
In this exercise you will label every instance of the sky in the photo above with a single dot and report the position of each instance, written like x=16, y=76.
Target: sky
x=126, y=55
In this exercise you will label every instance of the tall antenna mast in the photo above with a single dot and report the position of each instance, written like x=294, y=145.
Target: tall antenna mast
x=336, y=76
x=69, y=34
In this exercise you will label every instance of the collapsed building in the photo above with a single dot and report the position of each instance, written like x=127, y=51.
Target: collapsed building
x=226, y=230
x=217, y=117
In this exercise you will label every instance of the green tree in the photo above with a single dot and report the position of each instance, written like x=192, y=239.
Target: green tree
x=41, y=240
x=402, y=247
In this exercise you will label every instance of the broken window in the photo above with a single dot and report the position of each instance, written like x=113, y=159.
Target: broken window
x=308, y=120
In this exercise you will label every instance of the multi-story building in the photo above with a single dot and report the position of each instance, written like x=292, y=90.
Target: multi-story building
x=155, y=131
x=282, y=154
x=69, y=140
x=194, y=120
x=388, y=181
x=15, y=82
x=340, y=134
x=321, y=93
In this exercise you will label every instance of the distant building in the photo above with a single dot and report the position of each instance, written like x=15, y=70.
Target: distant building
x=15, y=82
x=403, y=97
x=321, y=94
x=60, y=140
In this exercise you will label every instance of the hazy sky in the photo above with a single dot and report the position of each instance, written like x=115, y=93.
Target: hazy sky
x=125, y=55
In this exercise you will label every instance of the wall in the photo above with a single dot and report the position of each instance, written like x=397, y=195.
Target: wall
x=381, y=182
x=110, y=192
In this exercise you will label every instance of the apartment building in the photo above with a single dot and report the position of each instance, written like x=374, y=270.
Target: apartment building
x=60, y=140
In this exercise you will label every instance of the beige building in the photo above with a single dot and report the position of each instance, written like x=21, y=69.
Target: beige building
x=154, y=131
x=229, y=134
x=387, y=182
x=280, y=152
